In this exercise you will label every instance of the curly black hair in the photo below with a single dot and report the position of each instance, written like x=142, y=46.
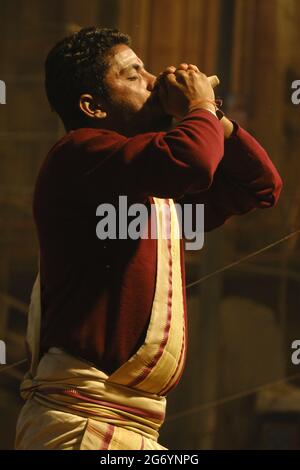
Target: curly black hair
x=76, y=65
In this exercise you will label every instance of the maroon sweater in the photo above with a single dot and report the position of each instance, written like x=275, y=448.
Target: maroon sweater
x=97, y=295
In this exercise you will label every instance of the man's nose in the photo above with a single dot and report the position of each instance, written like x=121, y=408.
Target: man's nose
x=151, y=82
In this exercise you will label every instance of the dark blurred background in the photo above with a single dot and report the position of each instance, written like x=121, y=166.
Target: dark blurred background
x=236, y=392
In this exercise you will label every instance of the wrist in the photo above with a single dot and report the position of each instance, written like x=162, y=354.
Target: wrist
x=207, y=104
x=227, y=126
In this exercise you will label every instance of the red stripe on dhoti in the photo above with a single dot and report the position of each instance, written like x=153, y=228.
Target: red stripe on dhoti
x=146, y=371
x=107, y=437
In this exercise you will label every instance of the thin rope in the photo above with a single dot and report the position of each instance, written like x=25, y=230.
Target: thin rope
x=5, y=368
x=222, y=401
x=242, y=260
x=13, y=302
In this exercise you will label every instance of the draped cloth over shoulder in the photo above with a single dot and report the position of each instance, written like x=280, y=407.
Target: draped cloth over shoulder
x=73, y=405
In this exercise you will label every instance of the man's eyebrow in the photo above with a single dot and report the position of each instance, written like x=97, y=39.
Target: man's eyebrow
x=133, y=65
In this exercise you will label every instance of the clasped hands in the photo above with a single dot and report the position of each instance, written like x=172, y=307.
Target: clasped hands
x=179, y=76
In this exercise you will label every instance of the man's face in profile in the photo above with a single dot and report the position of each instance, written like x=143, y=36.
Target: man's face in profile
x=132, y=105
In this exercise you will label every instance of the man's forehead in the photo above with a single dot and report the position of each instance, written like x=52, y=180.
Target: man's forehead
x=124, y=56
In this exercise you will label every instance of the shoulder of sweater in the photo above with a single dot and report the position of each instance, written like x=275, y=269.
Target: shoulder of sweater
x=86, y=136
x=86, y=133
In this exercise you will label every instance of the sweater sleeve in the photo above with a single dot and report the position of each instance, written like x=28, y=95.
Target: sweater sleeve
x=245, y=179
x=163, y=164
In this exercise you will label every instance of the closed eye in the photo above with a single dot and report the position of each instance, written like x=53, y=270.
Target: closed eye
x=133, y=78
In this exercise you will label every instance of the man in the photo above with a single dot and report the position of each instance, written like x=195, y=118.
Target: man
x=112, y=340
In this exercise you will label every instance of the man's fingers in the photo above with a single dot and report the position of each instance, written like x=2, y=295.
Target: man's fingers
x=170, y=69
x=183, y=66
x=181, y=75
x=170, y=79
x=193, y=67
x=163, y=81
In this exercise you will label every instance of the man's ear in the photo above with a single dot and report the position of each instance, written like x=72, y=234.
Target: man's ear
x=90, y=107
